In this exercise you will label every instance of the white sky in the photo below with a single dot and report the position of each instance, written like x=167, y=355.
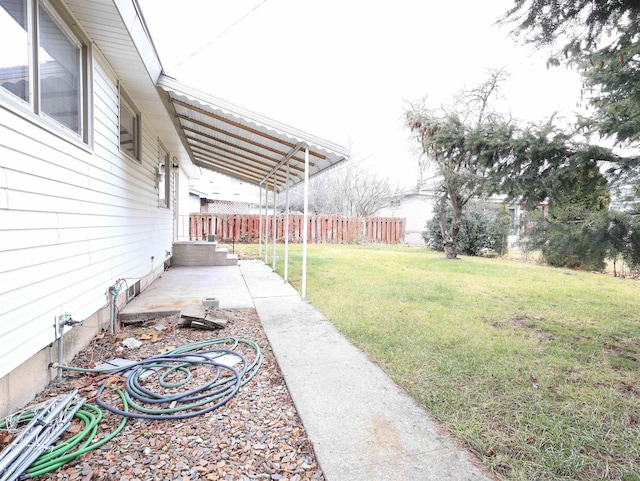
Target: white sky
x=344, y=69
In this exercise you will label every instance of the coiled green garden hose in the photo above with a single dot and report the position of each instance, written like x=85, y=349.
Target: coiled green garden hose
x=196, y=401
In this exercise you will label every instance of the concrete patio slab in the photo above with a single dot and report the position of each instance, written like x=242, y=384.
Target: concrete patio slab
x=182, y=286
x=362, y=425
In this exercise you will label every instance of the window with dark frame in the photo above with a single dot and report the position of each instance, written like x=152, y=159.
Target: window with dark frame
x=129, y=120
x=164, y=177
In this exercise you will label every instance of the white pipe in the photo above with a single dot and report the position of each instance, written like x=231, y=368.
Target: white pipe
x=260, y=225
x=22, y=453
x=275, y=228
x=24, y=437
x=305, y=220
x=286, y=230
x=266, y=224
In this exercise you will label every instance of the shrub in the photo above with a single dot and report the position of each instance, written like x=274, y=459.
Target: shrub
x=483, y=230
x=585, y=239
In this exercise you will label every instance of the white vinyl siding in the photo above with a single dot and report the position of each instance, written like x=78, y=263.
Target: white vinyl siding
x=72, y=221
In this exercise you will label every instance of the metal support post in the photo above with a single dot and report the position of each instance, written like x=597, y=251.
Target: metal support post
x=275, y=228
x=305, y=220
x=286, y=230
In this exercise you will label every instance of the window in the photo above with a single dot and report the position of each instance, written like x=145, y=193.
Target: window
x=164, y=177
x=14, y=62
x=60, y=70
x=45, y=68
x=129, y=128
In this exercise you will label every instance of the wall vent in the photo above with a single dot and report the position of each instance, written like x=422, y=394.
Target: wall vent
x=133, y=291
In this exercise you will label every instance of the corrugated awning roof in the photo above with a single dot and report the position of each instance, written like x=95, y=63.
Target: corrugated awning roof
x=242, y=144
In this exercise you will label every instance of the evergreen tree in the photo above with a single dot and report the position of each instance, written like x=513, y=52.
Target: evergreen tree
x=578, y=24
x=587, y=243
x=601, y=38
x=457, y=141
x=543, y=163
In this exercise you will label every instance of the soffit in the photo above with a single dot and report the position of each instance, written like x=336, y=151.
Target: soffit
x=118, y=30
x=239, y=143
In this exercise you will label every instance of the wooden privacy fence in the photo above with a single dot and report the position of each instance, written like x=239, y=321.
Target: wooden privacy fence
x=329, y=229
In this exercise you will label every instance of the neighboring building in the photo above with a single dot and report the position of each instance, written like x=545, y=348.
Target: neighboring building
x=417, y=207
x=519, y=224
x=97, y=150
x=220, y=194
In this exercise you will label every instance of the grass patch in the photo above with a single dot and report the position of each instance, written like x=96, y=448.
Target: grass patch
x=535, y=369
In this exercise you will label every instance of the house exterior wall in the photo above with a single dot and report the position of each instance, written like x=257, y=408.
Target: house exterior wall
x=417, y=209
x=73, y=220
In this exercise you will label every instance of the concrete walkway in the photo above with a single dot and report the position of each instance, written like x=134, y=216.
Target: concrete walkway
x=362, y=425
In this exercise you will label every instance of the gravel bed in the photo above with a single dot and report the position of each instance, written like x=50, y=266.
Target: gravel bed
x=256, y=435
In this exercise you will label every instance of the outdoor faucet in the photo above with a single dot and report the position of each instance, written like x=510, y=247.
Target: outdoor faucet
x=69, y=321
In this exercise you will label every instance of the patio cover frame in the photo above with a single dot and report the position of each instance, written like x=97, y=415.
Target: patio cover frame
x=247, y=146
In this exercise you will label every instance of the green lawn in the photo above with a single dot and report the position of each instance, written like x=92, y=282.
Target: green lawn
x=535, y=369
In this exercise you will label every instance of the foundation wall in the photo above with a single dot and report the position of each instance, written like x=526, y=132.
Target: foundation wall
x=20, y=386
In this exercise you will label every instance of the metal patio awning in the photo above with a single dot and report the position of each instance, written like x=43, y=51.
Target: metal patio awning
x=236, y=142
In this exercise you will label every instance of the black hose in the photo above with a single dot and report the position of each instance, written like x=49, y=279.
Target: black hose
x=204, y=398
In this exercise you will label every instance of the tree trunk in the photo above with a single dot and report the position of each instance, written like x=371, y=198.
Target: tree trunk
x=456, y=205
x=448, y=235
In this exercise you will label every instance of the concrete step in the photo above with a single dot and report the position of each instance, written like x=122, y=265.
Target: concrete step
x=231, y=260
x=202, y=254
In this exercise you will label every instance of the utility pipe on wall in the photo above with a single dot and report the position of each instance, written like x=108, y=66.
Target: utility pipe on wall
x=63, y=320
x=113, y=293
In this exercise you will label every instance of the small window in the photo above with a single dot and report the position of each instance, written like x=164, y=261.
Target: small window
x=129, y=128
x=164, y=176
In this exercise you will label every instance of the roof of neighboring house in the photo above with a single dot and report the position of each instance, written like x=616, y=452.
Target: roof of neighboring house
x=243, y=144
x=218, y=187
x=198, y=193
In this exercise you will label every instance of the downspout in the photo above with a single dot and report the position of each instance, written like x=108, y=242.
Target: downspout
x=305, y=220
